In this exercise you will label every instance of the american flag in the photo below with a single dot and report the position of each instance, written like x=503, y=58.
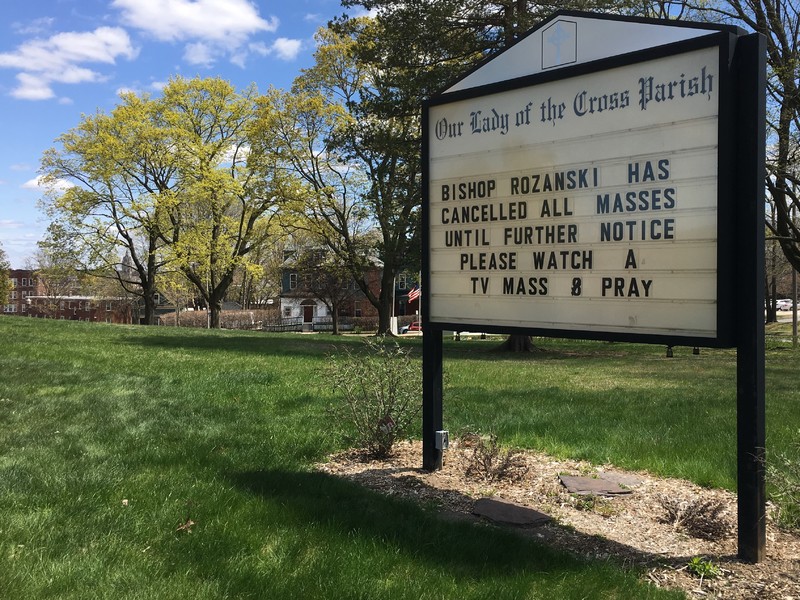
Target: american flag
x=414, y=293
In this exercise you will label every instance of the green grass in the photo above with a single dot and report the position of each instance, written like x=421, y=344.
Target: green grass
x=625, y=404
x=113, y=437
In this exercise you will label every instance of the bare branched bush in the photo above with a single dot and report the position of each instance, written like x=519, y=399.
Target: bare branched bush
x=489, y=462
x=379, y=395
x=783, y=475
x=703, y=519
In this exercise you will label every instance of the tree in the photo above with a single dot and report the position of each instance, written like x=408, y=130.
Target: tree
x=330, y=205
x=58, y=274
x=5, y=280
x=118, y=170
x=779, y=22
x=174, y=285
x=228, y=185
x=349, y=135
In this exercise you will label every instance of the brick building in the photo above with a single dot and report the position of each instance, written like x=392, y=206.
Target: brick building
x=28, y=298
x=24, y=283
x=81, y=308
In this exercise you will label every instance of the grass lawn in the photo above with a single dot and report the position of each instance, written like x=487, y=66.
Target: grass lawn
x=168, y=463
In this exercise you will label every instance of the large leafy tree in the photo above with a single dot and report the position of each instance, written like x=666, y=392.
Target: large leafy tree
x=118, y=168
x=351, y=138
x=169, y=181
x=227, y=189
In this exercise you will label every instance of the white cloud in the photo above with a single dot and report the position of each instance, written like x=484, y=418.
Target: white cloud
x=211, y=29
x=9, y=224
x=283, y=48
x=32, y=87
x=60, y=59
x=287, y=49
x=228, y=22
x=60, y=185
x=34, y=27
x=198, y=53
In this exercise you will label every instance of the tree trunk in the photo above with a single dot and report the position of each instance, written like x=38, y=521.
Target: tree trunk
x=385, y=308
x=518, y=343
x=149, y=309
x=214, y=308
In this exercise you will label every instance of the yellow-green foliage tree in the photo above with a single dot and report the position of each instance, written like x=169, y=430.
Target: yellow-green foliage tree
x=168, y=182
x=106, y=184
x=228, y=187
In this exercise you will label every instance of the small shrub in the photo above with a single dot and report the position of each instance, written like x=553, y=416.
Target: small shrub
x=699, y=518
x=380, y=393
x=704, y=568
x=594, y=503
x=783, y=474
x=489, y=462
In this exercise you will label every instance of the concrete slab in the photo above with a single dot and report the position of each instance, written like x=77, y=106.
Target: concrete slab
x=508, y=513
x=592, y=485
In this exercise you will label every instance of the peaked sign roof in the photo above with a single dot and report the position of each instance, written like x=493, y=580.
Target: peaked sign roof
x=570, y=38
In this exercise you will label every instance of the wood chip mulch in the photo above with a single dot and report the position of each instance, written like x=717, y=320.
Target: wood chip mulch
x=629, y=529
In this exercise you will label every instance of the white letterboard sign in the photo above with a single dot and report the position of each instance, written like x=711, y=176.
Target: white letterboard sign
x=583, y=204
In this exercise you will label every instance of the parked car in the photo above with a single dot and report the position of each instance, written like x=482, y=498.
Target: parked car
x=785, y=304
x=415, y=326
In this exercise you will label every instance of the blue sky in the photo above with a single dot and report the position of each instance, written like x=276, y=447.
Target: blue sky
x=60, y=59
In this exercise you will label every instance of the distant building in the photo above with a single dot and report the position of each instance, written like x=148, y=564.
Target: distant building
x=24, y=284
x=302, y=302
x=81, y=308
x=28, y=298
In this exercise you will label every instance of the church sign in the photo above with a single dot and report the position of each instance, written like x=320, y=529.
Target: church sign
x=588, y=200
x=604, y=178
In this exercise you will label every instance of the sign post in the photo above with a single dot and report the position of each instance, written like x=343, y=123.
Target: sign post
x=750, y=409
x=614, y=197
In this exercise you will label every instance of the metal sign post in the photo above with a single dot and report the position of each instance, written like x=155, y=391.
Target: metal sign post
x=750, y=412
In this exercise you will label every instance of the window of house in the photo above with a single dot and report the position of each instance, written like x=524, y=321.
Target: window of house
x=292, y=281
x=61, y=305
x=13, y=282
x=24, y=308
x=108, y=305
x=13, y=295
x=287, y=311
x=156, y=298
x=402, y=281
x=357, y=308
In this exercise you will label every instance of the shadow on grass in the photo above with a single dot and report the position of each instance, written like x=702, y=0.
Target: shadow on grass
x=348, y=509
x=278, y=344
x=458, y=542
